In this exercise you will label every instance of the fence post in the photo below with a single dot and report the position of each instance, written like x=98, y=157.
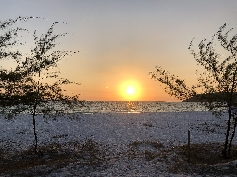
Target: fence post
x=188, y=146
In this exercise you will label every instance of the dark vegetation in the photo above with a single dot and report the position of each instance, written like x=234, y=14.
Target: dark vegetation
x=206, y=97
x=205, y=159
x=217, y=84
x=52, y=157
x=34, y=83
x=82, y=158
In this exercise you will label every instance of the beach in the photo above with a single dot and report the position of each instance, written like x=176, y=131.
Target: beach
x=119, y=133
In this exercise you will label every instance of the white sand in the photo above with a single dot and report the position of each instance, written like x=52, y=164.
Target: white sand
x=116, y=130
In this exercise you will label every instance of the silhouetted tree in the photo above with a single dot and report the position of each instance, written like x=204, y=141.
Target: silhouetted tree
x=9, y=37
x=217, y=85
x=35, y=86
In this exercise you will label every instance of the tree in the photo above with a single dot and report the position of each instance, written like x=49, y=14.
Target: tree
x=9, y=39
x=35, y=86
x=217, y=85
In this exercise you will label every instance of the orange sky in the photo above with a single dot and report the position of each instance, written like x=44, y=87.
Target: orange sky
x=120, y=42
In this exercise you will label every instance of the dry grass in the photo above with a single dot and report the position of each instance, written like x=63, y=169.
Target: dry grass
x=209, y=154
x=27, y=160
x=204, y=159
x=51, y=157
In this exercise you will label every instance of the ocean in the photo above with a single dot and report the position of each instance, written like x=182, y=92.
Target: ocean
x=138, y=107
x=121, y=107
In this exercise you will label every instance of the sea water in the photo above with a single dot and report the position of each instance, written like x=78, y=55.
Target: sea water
x=138, y=107
x=87, y=107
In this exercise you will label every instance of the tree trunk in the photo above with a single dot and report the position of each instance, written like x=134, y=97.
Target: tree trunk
x=34, y=114
x=232, y=136
x=224, y=152
x=34, y=127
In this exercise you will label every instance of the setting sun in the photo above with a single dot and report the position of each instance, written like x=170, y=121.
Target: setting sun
x=130, y=90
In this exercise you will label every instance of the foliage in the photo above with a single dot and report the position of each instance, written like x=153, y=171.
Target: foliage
x=9, y=37
x=34, y=86
x=38, y=71
x=217, y=85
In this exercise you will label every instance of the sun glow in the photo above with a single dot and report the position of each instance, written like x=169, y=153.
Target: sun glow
x=130, y=91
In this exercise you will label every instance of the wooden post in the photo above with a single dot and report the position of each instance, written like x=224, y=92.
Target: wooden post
x=188, y=146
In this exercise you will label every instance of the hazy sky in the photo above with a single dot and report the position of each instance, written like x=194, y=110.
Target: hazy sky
x=120, y=41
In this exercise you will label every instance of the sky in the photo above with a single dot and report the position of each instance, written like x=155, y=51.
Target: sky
x=121, y=41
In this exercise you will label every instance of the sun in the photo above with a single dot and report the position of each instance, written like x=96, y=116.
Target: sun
x=130, y=91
